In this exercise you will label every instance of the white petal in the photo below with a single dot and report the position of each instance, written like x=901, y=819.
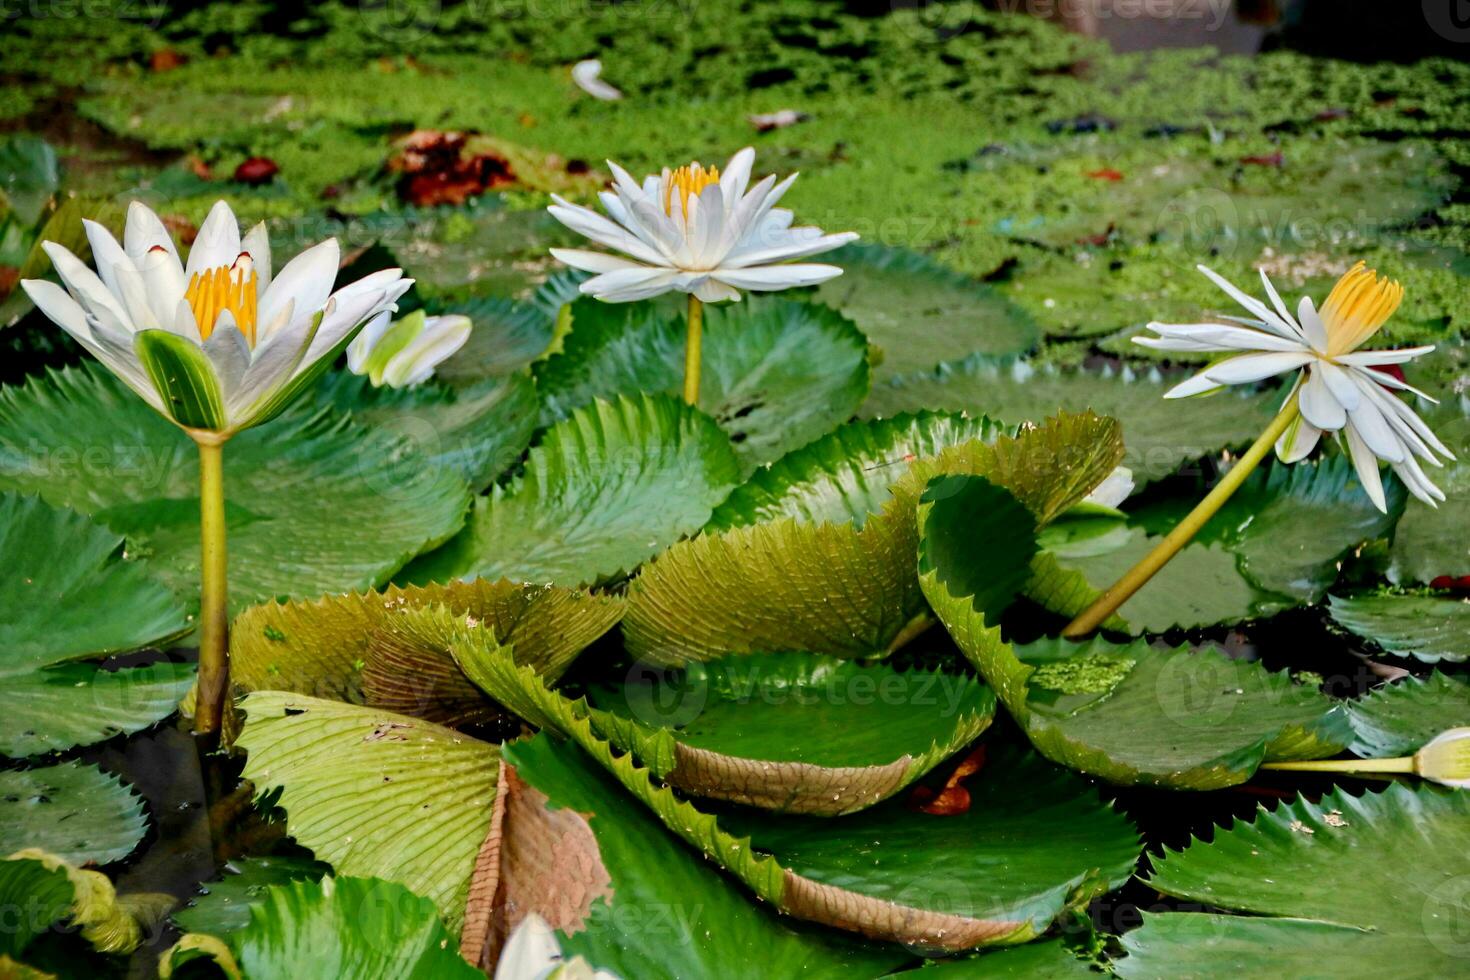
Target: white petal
x=668, y=236
x=1410, y=427
x=1412, y=474
x=1255, y=306
x=258, y=244
x=1312, y=326
x=1218, y=336
x=1373, y=358
x=145, y=231
x=1245, y=368
x=163, y=278
x=736, y=176
x=306, y=282
x=1281, y=309
x=605, y=232
x=1197, y=385
x=812, y=245
x=441, y=337
x=714, y=291
x=1366, y=465
x=773, y=277
x=107, y=254
x=586, y=76
x=59, y=307
x=229, y=353
x=1318, y=404
x=619, y=211
x=1175, y=344
x=1338, y=382
x=130, y=286
x=86, y=288
x=624, y=182
x=218, y=241
x=590, y=261
x=627, y=285
x=1298, y=441
x=707, y=240
x=362, y=345
x=531, y=951
x=1375, y=432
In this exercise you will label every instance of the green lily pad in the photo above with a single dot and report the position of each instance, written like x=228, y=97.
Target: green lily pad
x=62, y=568
x=1413, y=843
x=315, y=503
x=323, y=647
x=1430, y=542
x=605, y=490
x=224, y=905
x=1130, y=714
x=919, y=313
x=478, y=430
x=1428, y=628
x=848, y=473
x=1048, y=959
x=1158, y=435
x=846, y=591
x=374, y=793
x=77, y=812
x=354, y=928
x=775, y=373
x=29, y=175
x=508, y=335
x=661, y=908
x=997, y=874
x=1399, y=718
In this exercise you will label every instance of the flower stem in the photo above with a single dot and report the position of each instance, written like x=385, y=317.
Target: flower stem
x=1405, y=764
x=214, y=610
x=1137, y=576
x=691, y=350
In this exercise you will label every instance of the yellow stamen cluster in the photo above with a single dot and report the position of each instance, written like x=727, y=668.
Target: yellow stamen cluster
x=1358, y=305
x=213, y=291
x=686, y=181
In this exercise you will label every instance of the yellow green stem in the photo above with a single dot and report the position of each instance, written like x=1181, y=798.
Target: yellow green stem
x=1137, y=576
x=214, y=609
x=691, y=350
x=1405, y=764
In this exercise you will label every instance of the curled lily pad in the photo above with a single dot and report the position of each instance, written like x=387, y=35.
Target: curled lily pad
x=920, y=313
x=1129, y=714
x=53, y=892
x=62, y=568
x=75, y=811
x=1413, y=843
x=1399, y=718
x=999, y=873
x=740, y=729
x=1158, y=435
x=321, y=647
x=315, y=502
x=847, y=474
x=1428, y=628
x=374, y=793
x=605, y=489
x=843, y=590
x=775, y=373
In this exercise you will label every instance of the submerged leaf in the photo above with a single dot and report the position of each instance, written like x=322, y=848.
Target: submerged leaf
x=77, y=812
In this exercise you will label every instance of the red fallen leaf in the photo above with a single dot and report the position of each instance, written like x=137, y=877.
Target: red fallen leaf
x=9, y=279
x=1265, y=160
x=198, y=167
x=166, y=59
x=953, y=799
x=1326, y=115
x=1106, y=173
x=1449, y=583
x=436, y=168
x=331, y=192
x=256, y=171
x=1098, y=240
x=1392, y=370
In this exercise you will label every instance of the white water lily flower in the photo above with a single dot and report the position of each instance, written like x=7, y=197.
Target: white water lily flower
x=588, y=77
x=695, y=231
x=218, y=344
x=532, y=953
x=406, y=352
x=1336, y=385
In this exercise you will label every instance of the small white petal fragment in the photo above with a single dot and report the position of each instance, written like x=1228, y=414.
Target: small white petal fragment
x=588, y=77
